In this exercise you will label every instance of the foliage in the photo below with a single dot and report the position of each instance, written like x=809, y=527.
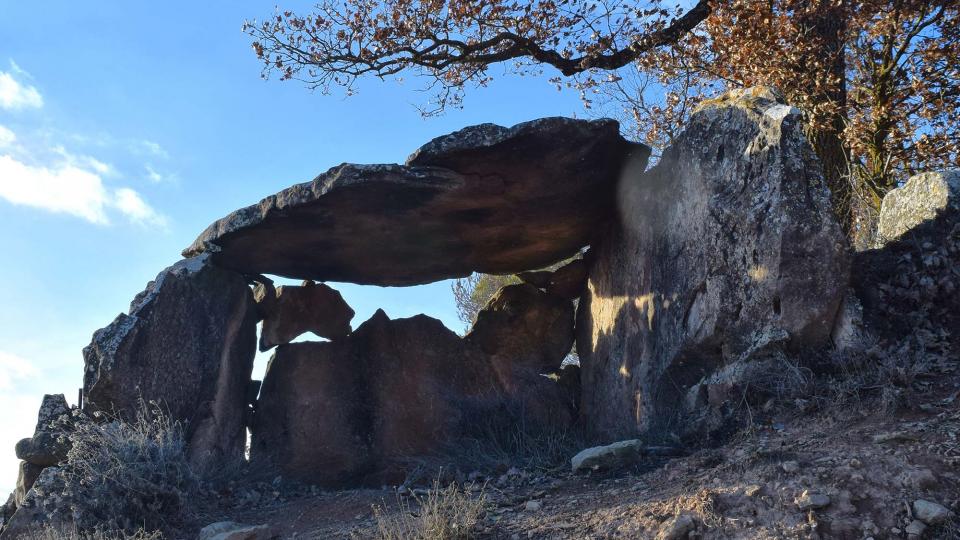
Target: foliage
x=127, y=475
x=878, y=80
x=473, y=292
x=444, y=513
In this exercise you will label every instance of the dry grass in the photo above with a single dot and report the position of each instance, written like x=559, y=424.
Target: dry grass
x=128, y=475
x=449, y=513
x=51, y=533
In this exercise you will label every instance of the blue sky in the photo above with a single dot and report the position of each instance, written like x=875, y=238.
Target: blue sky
x=127, y=127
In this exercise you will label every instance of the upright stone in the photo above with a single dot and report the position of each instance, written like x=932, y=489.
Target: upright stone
x=924, y=197
x=523, y=329
x=188, y=342
x=289, y=311
x=723, y=250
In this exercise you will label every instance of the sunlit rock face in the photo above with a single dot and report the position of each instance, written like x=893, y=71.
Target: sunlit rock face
x=924, y=197
x=485, y=198
x=724, y=252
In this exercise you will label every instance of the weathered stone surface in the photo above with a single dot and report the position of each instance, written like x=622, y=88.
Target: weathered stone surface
x=289, y=311
x=49, y=444
x=187, y=342
x=486, y=199
x=349, y=411
x=40, y=507
x=725, y=249
x=25, y=479
x=538, y=278
x=523, y=328
x=610, y=456
x=922, y=198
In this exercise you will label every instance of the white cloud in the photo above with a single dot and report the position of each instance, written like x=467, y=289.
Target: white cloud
x=153, y=148
x=136, y=209
x=63, y=188
x=7, y=137
x=152, y=174
x=73, y=186
x=14, y=368
x=14, y=95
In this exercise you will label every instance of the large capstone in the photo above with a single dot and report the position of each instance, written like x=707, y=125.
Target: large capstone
x=187, y=343
x=724, y=251
x=486, y=199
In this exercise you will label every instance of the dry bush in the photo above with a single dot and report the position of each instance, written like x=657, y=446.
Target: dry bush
x=128, y=475
x=71, y=533
x=448, y=513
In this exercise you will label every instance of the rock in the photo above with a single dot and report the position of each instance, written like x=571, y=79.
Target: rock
x=49, y=444
x=43, y=506
x=523, y=329
x=612, y=456
x=569, y=280
x=533, y=506
x=188, y=342
x=923, y=197
x=290, y=311
x=915, y=529
x=790, y=467
x=353, y=411
x=443, y=215
x=931, y=513
x=229, y=530
x=676, y=528
x=26, y=478
x=812, y=500
x=723, y=251
x=538, y=278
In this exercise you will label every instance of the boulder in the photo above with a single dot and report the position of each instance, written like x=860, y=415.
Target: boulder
x=725, y=250
x=44, y=505
x=290, y=311
x=523, y=328
x=486, y=199
x=25, y=479
x=49, y=444
x=931, y=513
x=352, y=411
x=187, y=342
x=922, y=198
x=611, y=456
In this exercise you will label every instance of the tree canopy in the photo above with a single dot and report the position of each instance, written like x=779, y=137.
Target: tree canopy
x=878, y=80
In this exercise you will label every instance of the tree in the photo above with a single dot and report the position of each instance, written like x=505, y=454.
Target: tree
x=878, y=80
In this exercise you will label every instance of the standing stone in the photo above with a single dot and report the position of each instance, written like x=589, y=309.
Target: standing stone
x=922, y=198
x=524, y=328
x=188, y=343
x=724, y=249
x=49, y=444
x=25, y=479
x=289, y=311
x=354, y=410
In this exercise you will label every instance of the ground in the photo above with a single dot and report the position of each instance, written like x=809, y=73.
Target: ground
x=869, y=460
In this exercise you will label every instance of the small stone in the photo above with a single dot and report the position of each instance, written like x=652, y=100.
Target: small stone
x=534, y=506
x=812, y=500
x=790, y=467
x=930, y=513
x=753, y=491
x=676, y=528
x=915, y=529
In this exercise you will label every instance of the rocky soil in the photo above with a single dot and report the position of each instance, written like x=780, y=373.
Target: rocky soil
x=810, y=469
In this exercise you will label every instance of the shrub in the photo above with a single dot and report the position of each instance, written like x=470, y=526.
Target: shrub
x=448, y=513
x=127, y=475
